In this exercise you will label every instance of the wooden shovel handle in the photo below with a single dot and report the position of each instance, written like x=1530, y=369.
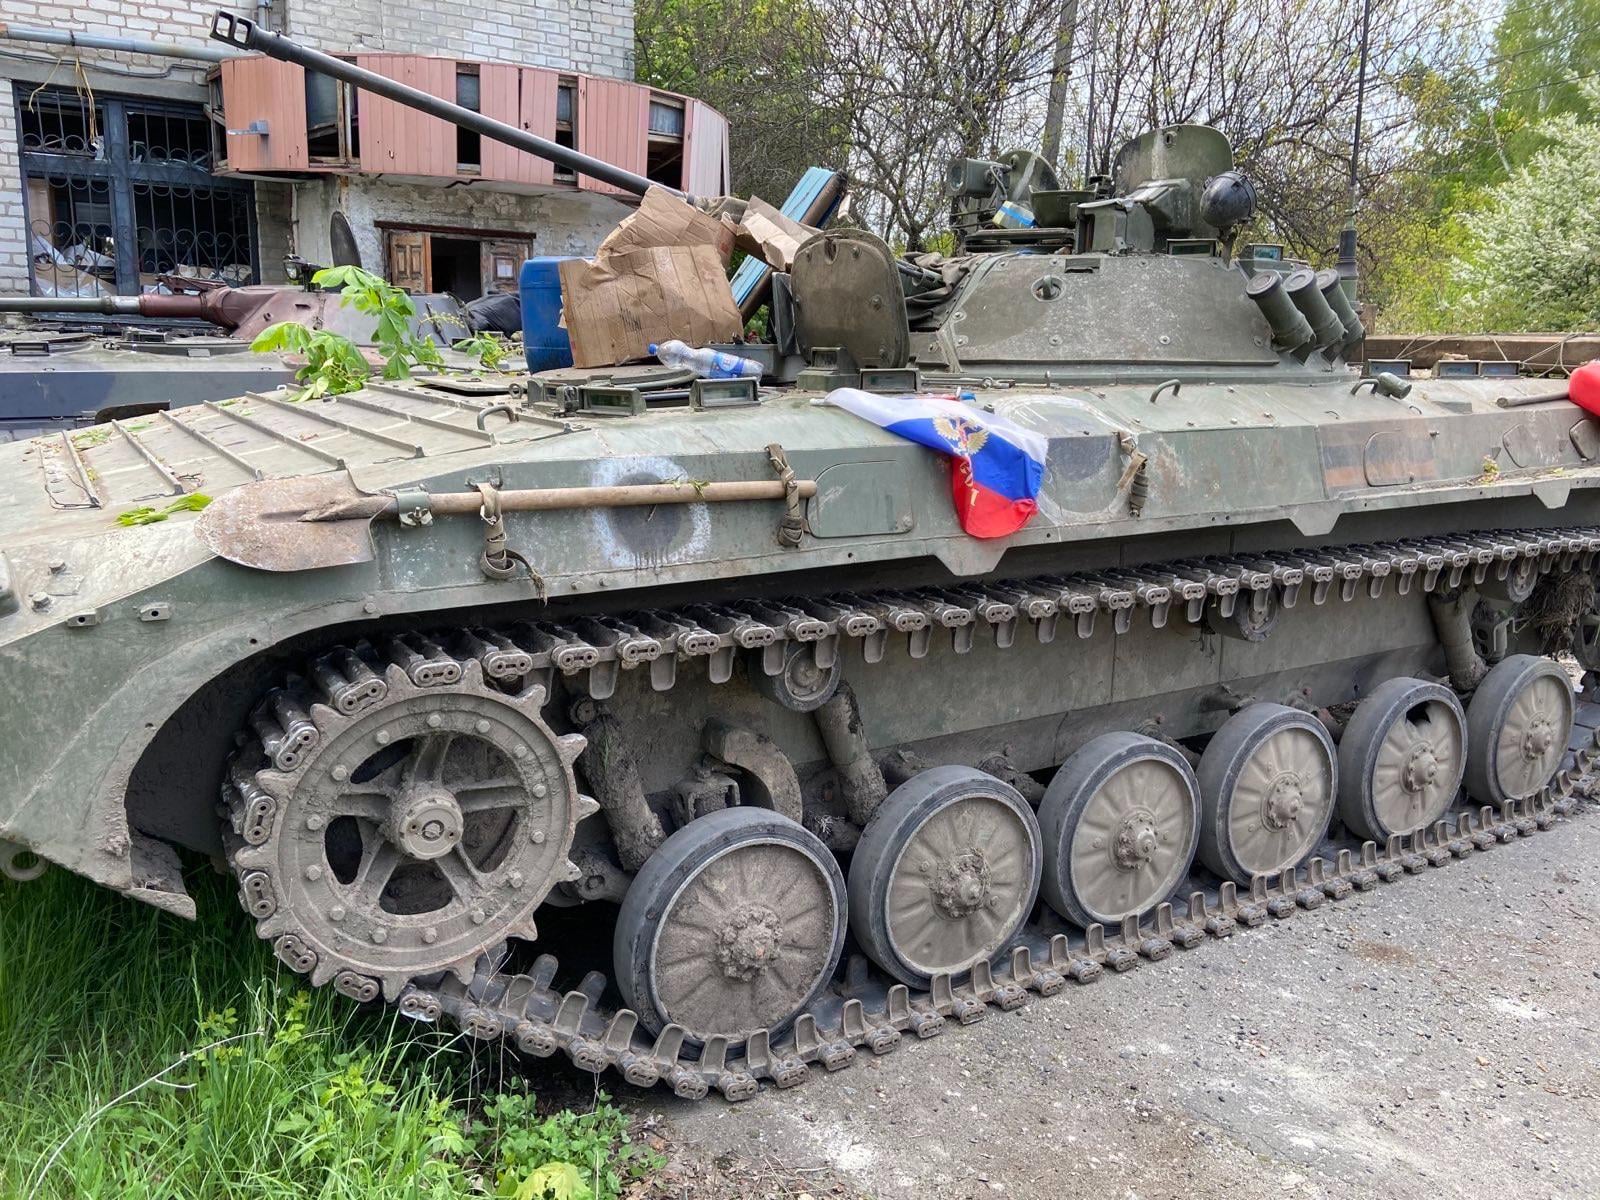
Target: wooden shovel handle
x=547, y=499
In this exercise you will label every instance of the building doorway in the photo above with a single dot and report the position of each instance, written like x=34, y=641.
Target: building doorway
x=457, y=267
x=466, y=263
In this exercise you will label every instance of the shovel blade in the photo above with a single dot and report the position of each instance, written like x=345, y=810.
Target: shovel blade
x=263, y=525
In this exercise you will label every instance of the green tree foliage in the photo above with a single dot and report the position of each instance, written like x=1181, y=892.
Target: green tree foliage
x=1481, y=204
x=1532, y=259
x=756, y=62
x=1545, y=51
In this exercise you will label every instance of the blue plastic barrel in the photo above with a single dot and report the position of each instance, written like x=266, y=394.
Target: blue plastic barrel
x=543, y=338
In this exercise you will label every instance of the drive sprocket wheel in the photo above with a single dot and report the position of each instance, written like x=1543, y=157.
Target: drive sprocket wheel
x=412, y=836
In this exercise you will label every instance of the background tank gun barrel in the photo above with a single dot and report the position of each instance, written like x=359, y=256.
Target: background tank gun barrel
x=224, y=306
x=247, y=35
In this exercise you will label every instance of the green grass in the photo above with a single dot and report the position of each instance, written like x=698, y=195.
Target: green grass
x=145, y=1056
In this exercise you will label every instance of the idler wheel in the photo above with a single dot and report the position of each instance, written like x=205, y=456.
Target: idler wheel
x=1401, y=758
x=733, y=925
x=1517, y=728
x=1121, y=820
x=1267, y=792
x=945, y=874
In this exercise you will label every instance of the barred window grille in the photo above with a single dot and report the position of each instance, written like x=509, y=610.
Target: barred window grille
x=119, y=196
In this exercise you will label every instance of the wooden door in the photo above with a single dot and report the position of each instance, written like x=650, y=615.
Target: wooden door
x=410, y=260
x=502, y=264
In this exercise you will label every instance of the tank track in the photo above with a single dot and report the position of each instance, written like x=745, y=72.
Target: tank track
x=523, y=1009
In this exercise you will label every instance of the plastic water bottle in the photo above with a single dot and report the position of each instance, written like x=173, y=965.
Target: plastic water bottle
x=1011, y=215
x=706, y=362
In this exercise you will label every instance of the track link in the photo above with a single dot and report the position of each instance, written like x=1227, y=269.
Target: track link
x=526, y=1012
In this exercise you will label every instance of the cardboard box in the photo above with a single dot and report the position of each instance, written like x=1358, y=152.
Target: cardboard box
x=660, y=274
x=770, y=235
x=616, y=306
x=664, y=220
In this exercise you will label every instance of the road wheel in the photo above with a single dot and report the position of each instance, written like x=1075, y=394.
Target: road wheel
x=1267, y=791
x=733, y=925
x=1401, y=758
x=1121, y=821
x=945, y=875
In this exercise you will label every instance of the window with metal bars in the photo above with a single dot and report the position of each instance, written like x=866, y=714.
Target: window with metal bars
x=120, y=199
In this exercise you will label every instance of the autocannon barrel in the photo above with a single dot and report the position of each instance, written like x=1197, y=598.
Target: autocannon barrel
x=127, y=306
x=247, y=35
x=222, y=306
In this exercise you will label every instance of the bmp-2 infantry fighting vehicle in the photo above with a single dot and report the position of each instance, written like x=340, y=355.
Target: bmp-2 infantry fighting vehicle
x=77, y=361
x=434, y=674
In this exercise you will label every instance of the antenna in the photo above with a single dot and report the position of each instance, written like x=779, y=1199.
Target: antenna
x=1088, y=124
x=1349, y=270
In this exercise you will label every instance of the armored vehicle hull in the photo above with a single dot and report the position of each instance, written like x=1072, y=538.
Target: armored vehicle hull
x=58, y=372
x=444, y=672
x=772, y=743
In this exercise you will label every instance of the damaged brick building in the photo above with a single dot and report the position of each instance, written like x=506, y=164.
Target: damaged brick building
x=118, y=168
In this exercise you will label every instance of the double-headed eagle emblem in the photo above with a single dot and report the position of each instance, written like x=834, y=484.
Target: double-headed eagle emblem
x=966, y=438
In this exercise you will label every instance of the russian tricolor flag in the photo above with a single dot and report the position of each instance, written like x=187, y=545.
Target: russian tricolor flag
x=996, y=466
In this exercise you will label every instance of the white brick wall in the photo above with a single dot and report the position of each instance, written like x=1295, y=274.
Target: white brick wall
x=13, y=228
x=595, y=36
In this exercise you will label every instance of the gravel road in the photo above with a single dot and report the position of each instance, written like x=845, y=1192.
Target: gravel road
x=1439, y=1037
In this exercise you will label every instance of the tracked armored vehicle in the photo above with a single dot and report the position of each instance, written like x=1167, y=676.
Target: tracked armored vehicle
x=67, y=362
x=727, y=687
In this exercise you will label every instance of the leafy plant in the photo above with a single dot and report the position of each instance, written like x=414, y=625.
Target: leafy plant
x=335, y=364
x=144, y=514
x=401, y=349
x=489, y=349
x=566, y=1155
x=192, y=1078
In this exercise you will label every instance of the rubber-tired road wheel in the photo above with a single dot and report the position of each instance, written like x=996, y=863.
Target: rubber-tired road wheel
x=1267, y=790
x=1121, y=820
x=945, y=874
x=1401, y=758
x=734, y=924
x=1517, y=728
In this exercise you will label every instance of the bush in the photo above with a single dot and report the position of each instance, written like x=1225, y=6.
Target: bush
x=1533, y=256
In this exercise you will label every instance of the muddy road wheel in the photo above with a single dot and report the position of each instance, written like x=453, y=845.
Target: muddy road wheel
x=1517, y=725
x=734, y=924
x=1121, y=821
x=945, y=875
x=1401, y=758
x=1267, y=792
